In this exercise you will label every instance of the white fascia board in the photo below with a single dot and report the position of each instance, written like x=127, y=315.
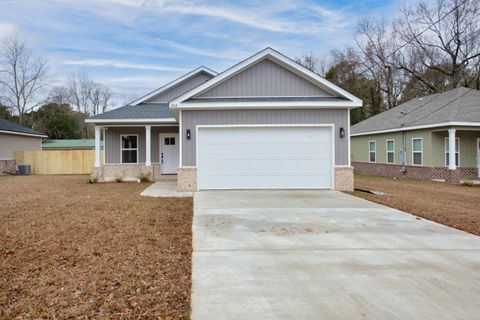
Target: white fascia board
x=278, y=57
x=424, y=126
x=102, y=121
x=24, y=134
x=172, y=84
x=267, y=104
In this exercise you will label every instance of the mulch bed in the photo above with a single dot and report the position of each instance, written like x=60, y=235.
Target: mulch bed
x=69, y=249
x=457, y=206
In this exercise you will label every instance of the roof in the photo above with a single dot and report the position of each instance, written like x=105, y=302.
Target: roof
x=284, y=61
x=14, y=128
x=457, y=105
x=174, y=83
x=150, y=111
x=70, y=144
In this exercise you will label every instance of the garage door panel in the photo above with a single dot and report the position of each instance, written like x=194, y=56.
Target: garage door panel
x=264, y=157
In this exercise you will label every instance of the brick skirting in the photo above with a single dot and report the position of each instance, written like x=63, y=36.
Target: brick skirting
x=9, y=165
x=416, y=172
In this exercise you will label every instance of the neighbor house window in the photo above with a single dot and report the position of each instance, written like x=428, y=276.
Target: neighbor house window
x=129, y=148
x=417, y=151
x=390, y=151
x=457, y=152
x=372, y=151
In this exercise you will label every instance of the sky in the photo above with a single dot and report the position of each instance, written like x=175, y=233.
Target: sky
x=135, y=46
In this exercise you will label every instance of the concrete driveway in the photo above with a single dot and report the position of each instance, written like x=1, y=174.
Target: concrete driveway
x=327, y=255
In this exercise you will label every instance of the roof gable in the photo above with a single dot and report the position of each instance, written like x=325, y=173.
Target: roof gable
x=269, y=63
x=177, y=87
x=14, y=128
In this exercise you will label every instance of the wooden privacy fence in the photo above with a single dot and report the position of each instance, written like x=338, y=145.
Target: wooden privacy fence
x=58, y=161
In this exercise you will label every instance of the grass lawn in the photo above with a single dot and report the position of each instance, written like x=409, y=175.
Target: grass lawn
x=456, y=206
x=69, y=249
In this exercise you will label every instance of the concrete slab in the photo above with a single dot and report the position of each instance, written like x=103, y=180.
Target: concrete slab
x=164, y=189
x=324, y=254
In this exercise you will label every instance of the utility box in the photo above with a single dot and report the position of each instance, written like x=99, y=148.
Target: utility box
x=24, y=170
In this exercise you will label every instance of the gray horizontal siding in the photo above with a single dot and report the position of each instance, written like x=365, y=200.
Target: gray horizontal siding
x=181, y=88
x=191, y=118
x=112, y=142
x=265, y=78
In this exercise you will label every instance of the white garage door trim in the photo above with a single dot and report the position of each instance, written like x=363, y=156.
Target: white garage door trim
x=328, y=125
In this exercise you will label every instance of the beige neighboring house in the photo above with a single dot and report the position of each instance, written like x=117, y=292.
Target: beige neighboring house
x=14, y=137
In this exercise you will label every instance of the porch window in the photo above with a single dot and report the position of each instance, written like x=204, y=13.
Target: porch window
x=390, y=151
x=372, y=149
x=457, y=152
x=417, y=151
x=129, y=148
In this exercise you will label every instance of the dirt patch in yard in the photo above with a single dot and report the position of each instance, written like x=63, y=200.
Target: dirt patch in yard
x=69, y=249
x=456, y=206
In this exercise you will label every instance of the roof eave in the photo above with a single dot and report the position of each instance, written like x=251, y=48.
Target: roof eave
x=132, y=120
x=24, y=134
x=418, y=127
x=268, y=104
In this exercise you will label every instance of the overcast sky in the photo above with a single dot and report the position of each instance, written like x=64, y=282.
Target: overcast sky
x=137, y=45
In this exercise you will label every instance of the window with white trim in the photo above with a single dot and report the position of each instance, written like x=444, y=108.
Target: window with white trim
x=372, y=151
x=457, y=152
x=390, y=151
x=129, y=148
x=417, y=151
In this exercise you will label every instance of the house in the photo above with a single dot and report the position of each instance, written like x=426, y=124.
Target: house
x=413, y=139
x=14, y=137
x=70, y=144
x=265, y=123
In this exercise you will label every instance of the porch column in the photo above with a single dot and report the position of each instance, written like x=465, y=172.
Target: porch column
x=451, y=149
x=148, y=145
x=97, y=146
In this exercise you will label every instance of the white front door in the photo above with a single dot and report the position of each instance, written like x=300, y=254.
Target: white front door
x=478, y=157
x=169, y=150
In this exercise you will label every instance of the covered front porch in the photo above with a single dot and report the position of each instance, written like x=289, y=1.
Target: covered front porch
x=133, y=151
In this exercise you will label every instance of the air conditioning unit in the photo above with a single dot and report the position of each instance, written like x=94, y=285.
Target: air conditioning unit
x=24, y=170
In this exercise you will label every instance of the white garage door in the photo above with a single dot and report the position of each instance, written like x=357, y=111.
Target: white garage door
x=264, y=157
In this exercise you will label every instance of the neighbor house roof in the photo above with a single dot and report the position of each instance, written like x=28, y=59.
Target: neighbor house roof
x=145, y=112
x=14, y=128
x=459, y=106
x=70, y=144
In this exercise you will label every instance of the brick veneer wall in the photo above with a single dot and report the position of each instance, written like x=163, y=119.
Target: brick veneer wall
x=416, y=172
x=9, y=166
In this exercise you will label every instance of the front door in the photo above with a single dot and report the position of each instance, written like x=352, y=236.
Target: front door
x=478, y=157
x=169, y=151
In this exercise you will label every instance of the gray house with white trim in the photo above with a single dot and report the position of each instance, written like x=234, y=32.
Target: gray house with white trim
x=265, y=123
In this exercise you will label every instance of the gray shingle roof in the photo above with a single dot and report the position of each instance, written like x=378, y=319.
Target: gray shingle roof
x=266, y=99
x=461, y=104
x=141, y=111
x=6, y=125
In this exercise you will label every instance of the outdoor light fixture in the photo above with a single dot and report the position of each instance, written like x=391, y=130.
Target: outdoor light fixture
x=342, y=133
x=189, y=134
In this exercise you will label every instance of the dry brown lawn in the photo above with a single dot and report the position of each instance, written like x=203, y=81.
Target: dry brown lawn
x=69, y=249
x=456, y=206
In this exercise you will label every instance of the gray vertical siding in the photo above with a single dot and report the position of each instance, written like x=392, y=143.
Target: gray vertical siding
x=265, y=78
x=192, y=118
x=181, y=88
x=112, y=142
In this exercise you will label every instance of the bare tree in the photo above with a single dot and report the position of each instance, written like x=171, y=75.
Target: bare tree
x=314, y=63
x=23, y=77
x=88, y=96
x=444, y=39
x=59, y=95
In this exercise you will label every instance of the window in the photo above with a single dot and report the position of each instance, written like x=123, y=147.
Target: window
x=390, y=151
x=417, y=151
x=372, y=150
x=129, y=148
x=457, y=152
x=169, y=141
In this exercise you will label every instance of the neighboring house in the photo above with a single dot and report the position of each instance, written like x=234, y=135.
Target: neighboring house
x=70, y=144
x=14, y=137
x=413, y=139
x=265, y=123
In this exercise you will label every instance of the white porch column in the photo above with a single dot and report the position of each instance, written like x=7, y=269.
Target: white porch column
x=451, y=149
x=97, y=146
x=148, y=145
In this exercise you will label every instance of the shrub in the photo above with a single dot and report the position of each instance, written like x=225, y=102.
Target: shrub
x=144, y=176
x=120, y=177
x=93, y=178
x=467, y=183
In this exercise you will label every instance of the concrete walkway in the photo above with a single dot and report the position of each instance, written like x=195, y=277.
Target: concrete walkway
x=165, y=189
x=327, y=255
